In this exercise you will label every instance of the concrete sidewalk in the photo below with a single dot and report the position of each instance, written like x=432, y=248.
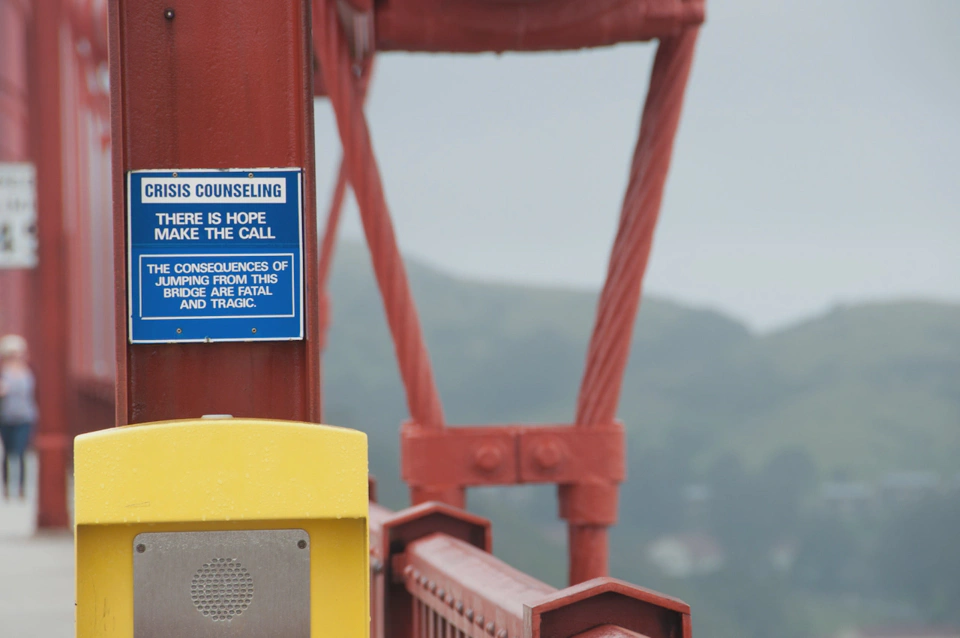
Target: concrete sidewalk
x=36, y=573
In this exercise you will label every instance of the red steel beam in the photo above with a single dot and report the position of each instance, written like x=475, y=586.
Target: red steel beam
x=587, y=507
x=50, y=306
x=469, y=26
x=509, y=455
x=439, y=463
x=346, y=96
x=459, y=589
x=609, y=631
x=14, y=147
x=390, y=534
x=432, y=574
x=329, y=238
x=217, y=84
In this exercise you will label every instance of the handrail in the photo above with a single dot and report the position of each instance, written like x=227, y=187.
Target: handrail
x=433, y=576
x=461, y=588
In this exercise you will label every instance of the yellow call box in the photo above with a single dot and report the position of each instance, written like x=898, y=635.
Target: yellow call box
x=214, y=528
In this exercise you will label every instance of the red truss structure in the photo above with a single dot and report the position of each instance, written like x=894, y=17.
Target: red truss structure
x=585, y=458
x=431, y=569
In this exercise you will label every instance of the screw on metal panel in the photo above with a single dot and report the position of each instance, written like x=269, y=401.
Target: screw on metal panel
x=491, y=627
x=254, y=331
x=487, y=458
x=141, y=548
x=168, y=14
x=250, y=175
x=459, y=606
x=179, y=330
x=469, y=614
x=441, y=593
x=174, y=174
x=302, y=544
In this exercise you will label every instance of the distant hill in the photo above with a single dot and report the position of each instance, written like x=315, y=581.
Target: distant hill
x=864, y=389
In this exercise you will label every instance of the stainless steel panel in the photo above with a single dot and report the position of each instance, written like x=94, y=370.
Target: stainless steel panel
x=244, y=584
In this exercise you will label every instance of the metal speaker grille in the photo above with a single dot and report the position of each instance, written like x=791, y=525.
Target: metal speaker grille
x=222, y=589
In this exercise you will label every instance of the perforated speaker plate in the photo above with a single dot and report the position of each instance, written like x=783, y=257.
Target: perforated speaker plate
x=243, y=584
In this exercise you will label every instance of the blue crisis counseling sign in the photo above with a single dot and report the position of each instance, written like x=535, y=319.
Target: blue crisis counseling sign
x=215, y=255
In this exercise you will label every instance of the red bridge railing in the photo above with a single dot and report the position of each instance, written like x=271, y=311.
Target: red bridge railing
x=433, y=576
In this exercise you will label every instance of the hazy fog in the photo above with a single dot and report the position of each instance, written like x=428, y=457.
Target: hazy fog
x=818, y=159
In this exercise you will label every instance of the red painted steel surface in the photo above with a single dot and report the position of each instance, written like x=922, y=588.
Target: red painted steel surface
x=190, y=92
x=439, y=463
x=457, y=585
x=527, y=25
x=432, y=574
x=508, y=455
x=583, y=504
x=88, y=223
x=609, y=631
x=64, y=306
x=14, y=147
x=460, y=590
x=616, y=314
x=346, y=96
x=52, y=440
x=582, y=607
x=390, y=534
x=329, y=238
x=219, y=84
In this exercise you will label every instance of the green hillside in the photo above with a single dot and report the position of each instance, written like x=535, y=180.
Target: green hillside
x=859, y=392
x=865, y=390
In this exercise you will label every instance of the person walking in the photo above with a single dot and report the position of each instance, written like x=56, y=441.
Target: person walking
x=18, y=407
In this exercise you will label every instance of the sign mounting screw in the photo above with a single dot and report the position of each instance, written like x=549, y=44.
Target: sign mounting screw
x=168, y=14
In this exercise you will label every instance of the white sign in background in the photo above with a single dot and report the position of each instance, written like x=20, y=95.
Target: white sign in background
x=18, y=215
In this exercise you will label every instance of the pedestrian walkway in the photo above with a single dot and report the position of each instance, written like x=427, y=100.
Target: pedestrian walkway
x=36, y=572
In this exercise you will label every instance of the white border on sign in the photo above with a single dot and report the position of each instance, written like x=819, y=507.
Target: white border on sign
x=129, y=217
x=293, y=287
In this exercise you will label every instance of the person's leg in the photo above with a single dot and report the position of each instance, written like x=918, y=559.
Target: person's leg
x=21, y=443
x=23, y=475
x=5, y=461
x=6, y=470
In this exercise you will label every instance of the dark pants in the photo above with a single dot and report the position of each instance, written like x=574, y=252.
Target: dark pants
x=15, y=439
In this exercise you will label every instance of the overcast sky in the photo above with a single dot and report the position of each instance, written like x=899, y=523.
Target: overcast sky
x=818, y=159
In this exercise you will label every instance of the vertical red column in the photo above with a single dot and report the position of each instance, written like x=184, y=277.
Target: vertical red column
x=49, y=309
x=214, y=85
x=14, y=140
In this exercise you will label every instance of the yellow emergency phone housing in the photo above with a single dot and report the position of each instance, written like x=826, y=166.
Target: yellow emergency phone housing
x=235, y=527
